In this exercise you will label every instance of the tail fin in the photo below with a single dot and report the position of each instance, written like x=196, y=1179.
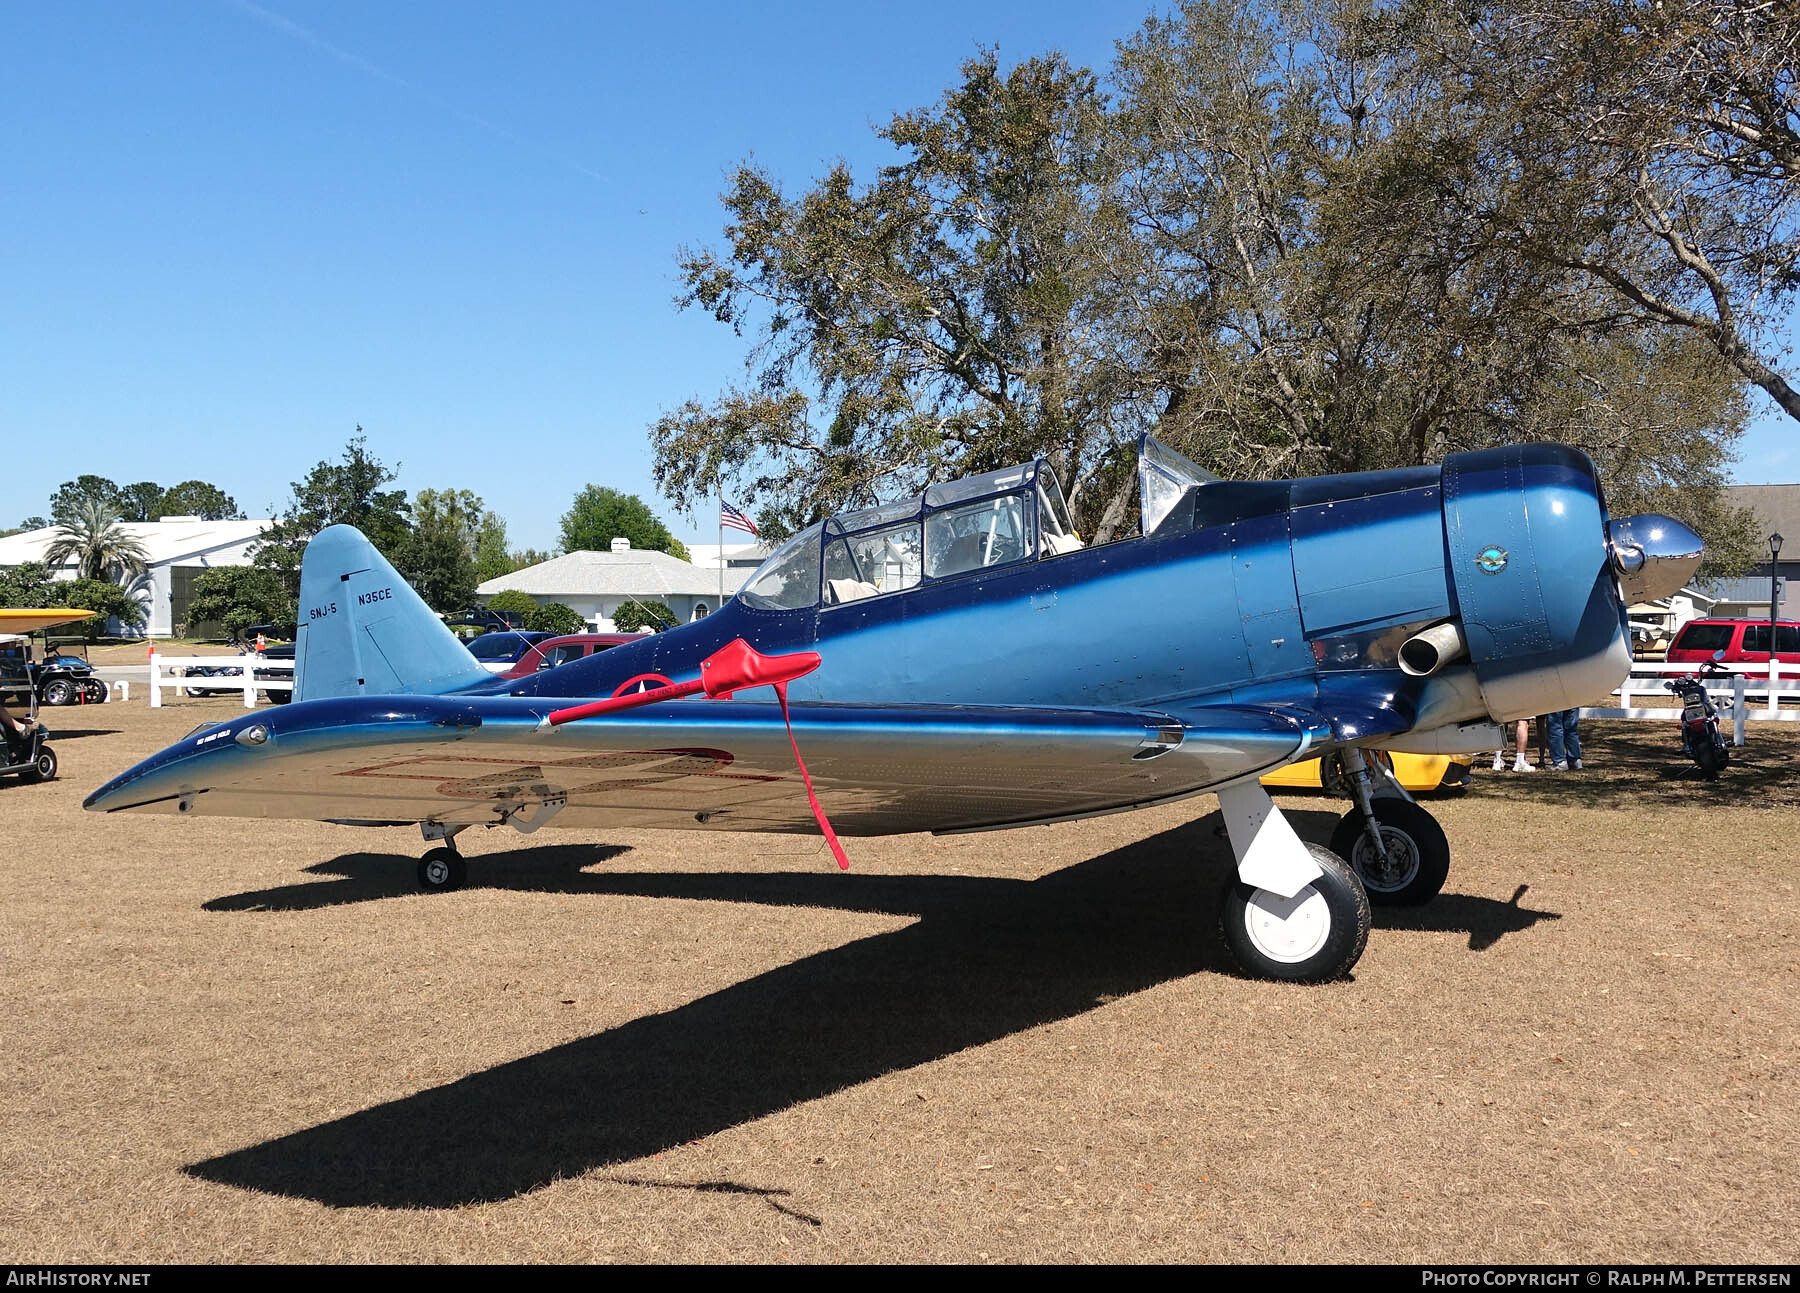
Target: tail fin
x=364, y=631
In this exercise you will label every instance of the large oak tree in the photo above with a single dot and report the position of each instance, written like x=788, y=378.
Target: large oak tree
x=1296, y=238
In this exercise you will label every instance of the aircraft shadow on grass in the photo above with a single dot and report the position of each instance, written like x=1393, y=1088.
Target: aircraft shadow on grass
x=984, y=958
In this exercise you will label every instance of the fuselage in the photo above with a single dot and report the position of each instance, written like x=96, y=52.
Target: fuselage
x=1250, y=624
x=1283, y=592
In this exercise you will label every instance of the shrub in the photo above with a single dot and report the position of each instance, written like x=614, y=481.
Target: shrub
x=554, y=617
x=513, y=602
x=235, y=597
x=633, y=616
x=106, y=597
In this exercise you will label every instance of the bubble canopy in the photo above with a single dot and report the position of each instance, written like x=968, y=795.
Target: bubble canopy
x=949, y=531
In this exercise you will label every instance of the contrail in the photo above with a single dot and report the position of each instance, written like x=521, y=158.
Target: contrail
x=288, y=27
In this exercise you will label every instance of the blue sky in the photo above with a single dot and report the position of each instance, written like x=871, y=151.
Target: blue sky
x=233, y=231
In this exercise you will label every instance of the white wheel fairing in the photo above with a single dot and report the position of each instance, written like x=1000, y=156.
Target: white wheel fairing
x=1288, y=930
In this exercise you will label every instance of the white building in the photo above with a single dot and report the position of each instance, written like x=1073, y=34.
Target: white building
x=741, y=557
x=1776, y=513
x=177, y=550
x=597, y=584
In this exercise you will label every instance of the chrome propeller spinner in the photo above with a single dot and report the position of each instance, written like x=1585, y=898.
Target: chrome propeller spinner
x=1653, y=555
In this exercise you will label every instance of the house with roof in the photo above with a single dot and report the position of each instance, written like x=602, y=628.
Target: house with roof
x=742, y=558
x=597, y=584
x=1777, y=512
x=177, y=549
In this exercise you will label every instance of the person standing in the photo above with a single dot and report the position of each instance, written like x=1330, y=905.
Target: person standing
x=1564, y=731
x=1521, y=743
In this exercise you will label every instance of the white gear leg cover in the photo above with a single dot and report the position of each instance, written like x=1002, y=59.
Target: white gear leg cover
x=1269, y=855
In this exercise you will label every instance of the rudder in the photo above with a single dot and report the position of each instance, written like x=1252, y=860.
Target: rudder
x=363, y=631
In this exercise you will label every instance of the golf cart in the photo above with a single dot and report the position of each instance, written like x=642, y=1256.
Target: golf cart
x=30, y=758
x=65, y=678
x=61, y=677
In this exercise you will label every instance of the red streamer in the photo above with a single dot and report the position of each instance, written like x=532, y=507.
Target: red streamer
x=837, y=850
x=733, y=667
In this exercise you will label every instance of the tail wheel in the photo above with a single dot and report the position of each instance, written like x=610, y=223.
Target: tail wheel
x=442, y=869
x=1316, y=935
x=1417, y=856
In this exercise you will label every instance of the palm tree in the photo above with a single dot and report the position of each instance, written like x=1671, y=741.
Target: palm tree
x=99, y=542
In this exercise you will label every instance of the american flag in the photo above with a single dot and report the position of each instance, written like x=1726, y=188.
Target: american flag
x=733, y=519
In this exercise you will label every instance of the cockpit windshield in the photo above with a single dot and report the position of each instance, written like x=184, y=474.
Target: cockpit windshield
x=1163, y=477
x=789, y=579
x=995, y=519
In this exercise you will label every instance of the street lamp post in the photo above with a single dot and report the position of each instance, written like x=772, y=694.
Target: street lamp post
x=1774, y=586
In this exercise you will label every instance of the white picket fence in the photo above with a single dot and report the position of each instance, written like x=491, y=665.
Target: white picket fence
x=171, y=671
x=1730, y=690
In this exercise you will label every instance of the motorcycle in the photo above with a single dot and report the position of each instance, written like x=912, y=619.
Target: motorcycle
x=1700, y=739
x=279, y=656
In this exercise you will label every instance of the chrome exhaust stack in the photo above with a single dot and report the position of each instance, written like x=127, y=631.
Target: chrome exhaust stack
x=1424, y=653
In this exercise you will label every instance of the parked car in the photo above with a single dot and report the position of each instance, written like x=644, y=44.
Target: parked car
x=560, y=650
x=1742, y=641
x=499, y=652
x=283, y=651
x=472, y=624
x=1416, y=772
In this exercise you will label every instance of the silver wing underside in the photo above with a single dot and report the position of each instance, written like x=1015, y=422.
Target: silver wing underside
x=701, y=765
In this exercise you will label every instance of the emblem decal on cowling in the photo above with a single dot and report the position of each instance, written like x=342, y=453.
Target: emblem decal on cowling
x=1491, y=559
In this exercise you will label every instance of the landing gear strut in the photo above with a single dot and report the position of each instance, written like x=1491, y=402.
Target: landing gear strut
x=1293, y=911
x=442, y=869
x=1394, y=846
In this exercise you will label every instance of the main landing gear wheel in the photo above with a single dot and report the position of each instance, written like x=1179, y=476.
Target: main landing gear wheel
x=441, y=870
x=1316, y=935
x=1417, y=857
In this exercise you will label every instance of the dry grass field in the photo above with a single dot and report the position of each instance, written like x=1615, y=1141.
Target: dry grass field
x=246, y=1041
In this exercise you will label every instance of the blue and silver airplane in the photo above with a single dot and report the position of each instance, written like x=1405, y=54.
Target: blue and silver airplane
x=961, y=661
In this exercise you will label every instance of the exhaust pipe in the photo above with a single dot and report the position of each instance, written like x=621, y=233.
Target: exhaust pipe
x=1423, y=654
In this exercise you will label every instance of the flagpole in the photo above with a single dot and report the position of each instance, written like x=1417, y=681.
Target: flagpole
x=721, y=605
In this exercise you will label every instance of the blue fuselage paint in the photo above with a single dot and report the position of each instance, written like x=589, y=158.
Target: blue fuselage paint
x=1267, y=594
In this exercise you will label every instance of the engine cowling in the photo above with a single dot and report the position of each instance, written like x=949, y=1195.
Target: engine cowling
x=1525, y=534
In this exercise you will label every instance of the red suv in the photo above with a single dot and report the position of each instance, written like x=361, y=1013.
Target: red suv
x=560, y=650
x=1742, y=641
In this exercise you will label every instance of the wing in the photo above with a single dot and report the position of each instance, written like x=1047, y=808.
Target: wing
x=702, y=764
x=1347, y=708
